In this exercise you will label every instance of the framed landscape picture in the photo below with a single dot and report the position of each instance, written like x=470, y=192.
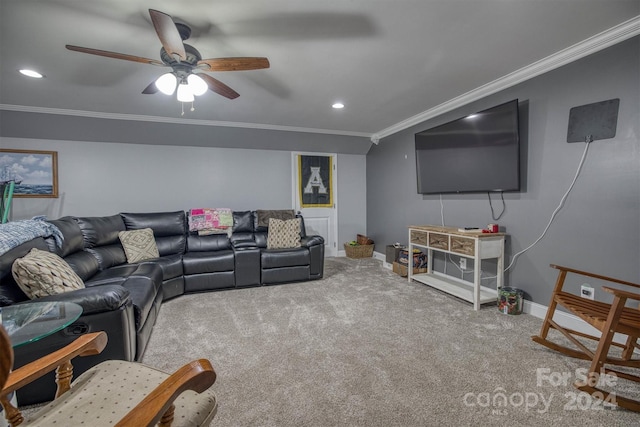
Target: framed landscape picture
x=35, y=173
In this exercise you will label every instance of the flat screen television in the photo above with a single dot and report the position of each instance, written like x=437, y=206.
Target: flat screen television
x=476, y=153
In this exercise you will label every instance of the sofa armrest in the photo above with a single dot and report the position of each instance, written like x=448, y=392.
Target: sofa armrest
x=243, y=244
x=309, y=241
x=93, y=300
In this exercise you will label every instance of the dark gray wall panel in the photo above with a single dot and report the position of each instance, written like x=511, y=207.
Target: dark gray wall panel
x=599, y=227
x=20, y=124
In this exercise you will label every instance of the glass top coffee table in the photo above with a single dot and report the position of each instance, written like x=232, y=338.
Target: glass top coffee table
x=26, y=323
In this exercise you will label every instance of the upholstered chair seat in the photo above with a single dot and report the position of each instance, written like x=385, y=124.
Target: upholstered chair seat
x=112, y=393
x=104, y=394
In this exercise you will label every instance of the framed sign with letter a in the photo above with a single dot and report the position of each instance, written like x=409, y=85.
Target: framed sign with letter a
x=315, y=181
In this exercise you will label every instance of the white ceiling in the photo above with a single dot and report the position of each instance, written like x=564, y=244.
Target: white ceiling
x=387, y=61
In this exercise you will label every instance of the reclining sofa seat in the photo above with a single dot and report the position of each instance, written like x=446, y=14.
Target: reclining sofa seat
x=108, y=308
x=143, y=281
x=291, y=264
x=169, y=232
x=208, y=263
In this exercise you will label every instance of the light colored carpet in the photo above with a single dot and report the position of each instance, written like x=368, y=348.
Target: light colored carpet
x=363, y=347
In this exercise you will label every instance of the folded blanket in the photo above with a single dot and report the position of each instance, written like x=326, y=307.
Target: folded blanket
x=225, y=217
x=209, y=231
x=208, y=218
x=200, y=219
x=15, y=233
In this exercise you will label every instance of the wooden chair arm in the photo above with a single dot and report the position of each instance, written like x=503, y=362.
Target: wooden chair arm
x=197, y=375
x=85, y=345
x=621, y=293
x=595, y=276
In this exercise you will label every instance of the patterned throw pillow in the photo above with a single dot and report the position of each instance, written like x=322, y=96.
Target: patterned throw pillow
x=283, y=234
x=41, y=273
x=139, y=245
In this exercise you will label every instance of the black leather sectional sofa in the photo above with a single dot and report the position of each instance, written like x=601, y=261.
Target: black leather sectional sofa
x=124, y=299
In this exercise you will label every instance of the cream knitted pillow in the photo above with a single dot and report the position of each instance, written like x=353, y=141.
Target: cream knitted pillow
x=139, y=245
x=42, y=273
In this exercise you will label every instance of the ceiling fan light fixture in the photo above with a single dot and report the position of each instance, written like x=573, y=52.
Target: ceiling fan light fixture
x=167, y=83
x=184, y=61
x=184, y=93
x=197, y=85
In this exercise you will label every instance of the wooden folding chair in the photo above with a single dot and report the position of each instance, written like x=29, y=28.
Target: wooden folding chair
x=609, y=319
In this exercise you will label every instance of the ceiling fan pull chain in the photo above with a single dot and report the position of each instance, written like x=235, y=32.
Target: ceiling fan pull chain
x=182, y=104
x=192, y=107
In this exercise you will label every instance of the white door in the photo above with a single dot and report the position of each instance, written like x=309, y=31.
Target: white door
x=314, y=195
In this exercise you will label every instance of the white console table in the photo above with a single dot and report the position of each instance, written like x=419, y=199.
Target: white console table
x=473, y=245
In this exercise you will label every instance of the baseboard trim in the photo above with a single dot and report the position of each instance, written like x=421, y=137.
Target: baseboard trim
x=376, y=255
x=565, y=319
x=540, y=311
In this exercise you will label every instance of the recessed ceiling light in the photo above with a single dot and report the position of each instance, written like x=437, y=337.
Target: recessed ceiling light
x=338, y=105
x=31, y=73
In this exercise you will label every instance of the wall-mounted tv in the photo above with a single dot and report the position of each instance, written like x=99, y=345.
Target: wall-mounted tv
x=476, y=153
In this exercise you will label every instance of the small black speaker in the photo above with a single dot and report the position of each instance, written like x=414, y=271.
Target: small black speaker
x=593, y=121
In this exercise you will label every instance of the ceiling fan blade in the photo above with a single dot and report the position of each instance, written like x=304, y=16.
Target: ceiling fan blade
x=234, y=64
x=115, y=55
x=168, y=33
x=218, y=87
x=151, y=89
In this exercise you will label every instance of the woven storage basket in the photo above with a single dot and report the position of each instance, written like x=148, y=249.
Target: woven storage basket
x=360, y=251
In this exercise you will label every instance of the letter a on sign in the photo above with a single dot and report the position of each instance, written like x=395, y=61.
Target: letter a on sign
x=315, y=181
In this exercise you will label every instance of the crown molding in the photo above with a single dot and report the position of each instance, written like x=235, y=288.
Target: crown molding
x=158, y=119
x=610, y=37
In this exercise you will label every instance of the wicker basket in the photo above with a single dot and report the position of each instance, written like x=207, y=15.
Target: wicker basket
x=360, y=251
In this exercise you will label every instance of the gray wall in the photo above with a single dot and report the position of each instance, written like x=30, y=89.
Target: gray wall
x=352, y=197
x=97, y=179
x=599, y=227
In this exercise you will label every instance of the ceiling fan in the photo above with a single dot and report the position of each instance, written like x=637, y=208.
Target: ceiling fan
x=187, y=66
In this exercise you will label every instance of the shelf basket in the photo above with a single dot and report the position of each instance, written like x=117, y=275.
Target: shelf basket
x=360, y=251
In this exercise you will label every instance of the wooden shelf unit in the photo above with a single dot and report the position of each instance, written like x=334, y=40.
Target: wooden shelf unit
x=477, y=246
